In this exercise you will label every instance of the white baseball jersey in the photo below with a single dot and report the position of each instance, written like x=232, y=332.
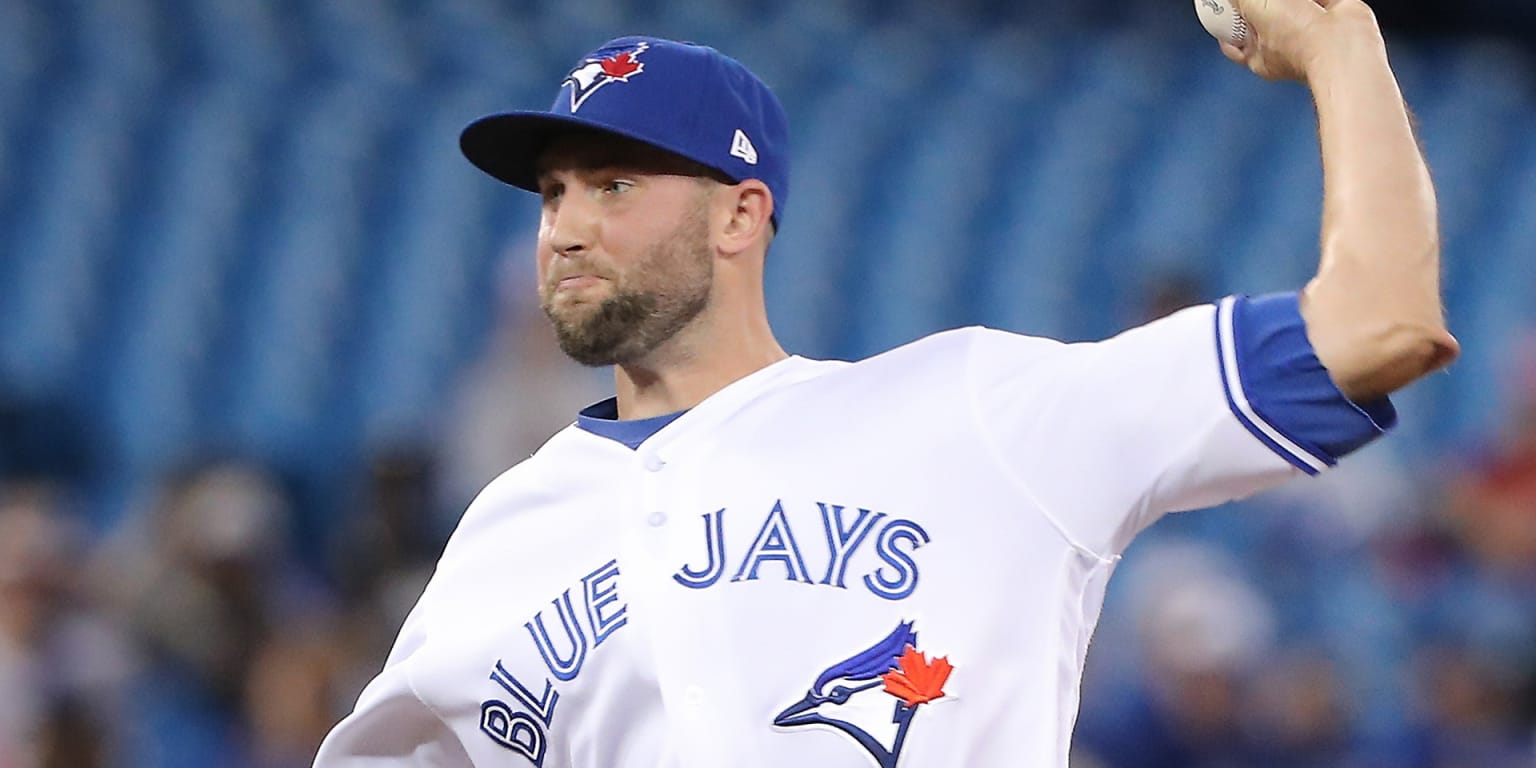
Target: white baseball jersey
x=896, y=562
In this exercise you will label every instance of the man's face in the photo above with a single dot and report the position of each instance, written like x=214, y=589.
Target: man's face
x=624, y=253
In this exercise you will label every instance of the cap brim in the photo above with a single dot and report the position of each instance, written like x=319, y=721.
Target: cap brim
x=507, y=146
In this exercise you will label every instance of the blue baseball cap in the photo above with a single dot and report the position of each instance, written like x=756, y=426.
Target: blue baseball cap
x=687, y=99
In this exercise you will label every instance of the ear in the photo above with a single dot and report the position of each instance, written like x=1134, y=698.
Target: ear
x=746, y=212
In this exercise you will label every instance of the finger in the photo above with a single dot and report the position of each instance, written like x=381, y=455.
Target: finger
x=1234, y=53
x=1268, y=7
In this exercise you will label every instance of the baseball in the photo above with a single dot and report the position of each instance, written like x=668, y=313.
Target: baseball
x=1221, y=19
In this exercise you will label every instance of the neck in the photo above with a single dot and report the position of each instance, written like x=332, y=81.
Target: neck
x=696, y=363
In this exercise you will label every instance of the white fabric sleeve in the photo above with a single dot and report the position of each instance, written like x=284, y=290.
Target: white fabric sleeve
x=1106, y=437
x=391, y=726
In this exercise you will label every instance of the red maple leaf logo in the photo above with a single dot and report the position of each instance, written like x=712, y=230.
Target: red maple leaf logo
x=621, y=65
x=919, y=680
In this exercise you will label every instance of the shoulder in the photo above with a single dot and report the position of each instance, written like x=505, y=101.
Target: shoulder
x=933, y=374
x=541, y=473
x=971, y=354
x=981, y=354
x=951, y=352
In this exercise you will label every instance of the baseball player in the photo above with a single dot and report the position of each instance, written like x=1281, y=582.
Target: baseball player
x=748, y=558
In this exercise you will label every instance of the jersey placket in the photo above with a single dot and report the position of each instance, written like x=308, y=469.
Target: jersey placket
x=663, y=532
x=682, y=698
x=667, y=466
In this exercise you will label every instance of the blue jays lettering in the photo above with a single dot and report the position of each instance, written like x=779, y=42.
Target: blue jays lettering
x=583, y=616
x=776, y=542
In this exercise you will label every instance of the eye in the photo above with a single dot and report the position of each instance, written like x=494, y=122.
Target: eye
x=551, y=192
x=839, y=694
x=616, y=186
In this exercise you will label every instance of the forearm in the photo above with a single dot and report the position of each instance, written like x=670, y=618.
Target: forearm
x=1373, y=311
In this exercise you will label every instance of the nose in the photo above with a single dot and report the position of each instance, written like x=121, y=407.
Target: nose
x=569, y=226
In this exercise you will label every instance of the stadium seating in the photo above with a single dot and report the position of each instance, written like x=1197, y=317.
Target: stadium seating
x=246, y=224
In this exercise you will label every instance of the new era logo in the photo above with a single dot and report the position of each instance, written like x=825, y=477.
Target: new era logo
x=741, y=147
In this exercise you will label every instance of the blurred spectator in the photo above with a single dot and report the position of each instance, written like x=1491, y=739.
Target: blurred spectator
x=389, y=546
x=291, y=695
x=1492, y=505
x=1297, y=715
x=386, y=554
x=199, y=592
x=1471, y=711
x=62, y=668
x=204, y=580
x=519, y=392
x=1203, y=634
x=45, y=437
x=1168, y=292
x=1477, y=680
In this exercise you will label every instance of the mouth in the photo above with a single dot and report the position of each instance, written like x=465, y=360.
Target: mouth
x=577, y=286
x=577, y=282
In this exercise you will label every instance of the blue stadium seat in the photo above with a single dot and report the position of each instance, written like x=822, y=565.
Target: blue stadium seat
x=292, y=313
x=250, y=42
x=63, y=228
x=117, y=38
x=182, y=267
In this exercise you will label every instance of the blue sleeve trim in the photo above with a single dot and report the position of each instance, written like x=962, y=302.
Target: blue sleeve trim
x=1281, y=392
x=1231, y=385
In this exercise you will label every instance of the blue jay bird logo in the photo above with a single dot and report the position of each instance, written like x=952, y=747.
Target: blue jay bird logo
x=596, y=71
x=855, y=696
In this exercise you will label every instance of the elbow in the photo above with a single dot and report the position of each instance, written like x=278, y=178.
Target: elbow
x=1419, y=351
x=1379, y=330
x=1438, y=350
x=1378, y=364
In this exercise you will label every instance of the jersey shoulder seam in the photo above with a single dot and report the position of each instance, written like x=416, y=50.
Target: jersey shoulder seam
x=992, y=450
x=410, y=684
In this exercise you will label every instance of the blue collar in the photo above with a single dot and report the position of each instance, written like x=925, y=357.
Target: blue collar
x=602, y=419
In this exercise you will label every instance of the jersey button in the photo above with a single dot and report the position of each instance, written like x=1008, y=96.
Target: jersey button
x=657, y=519
x=653, y=463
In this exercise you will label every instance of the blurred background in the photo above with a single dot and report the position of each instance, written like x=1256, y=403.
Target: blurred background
x=264, y=333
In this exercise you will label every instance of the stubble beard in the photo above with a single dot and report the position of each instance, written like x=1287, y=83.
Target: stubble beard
x=657, y=297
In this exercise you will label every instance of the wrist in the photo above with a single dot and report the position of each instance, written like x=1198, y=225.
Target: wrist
x=1350, y=44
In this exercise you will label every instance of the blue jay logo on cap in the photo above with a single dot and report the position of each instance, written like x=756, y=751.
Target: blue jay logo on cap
x=854, y=696
x=596, y=71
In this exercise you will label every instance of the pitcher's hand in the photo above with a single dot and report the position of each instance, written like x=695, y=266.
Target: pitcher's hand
x=1291, y=39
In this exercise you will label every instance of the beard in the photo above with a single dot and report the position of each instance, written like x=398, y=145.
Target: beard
x=653, y=299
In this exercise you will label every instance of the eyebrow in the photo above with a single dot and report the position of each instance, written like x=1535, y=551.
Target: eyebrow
x=589, y=161
x=635, y=157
